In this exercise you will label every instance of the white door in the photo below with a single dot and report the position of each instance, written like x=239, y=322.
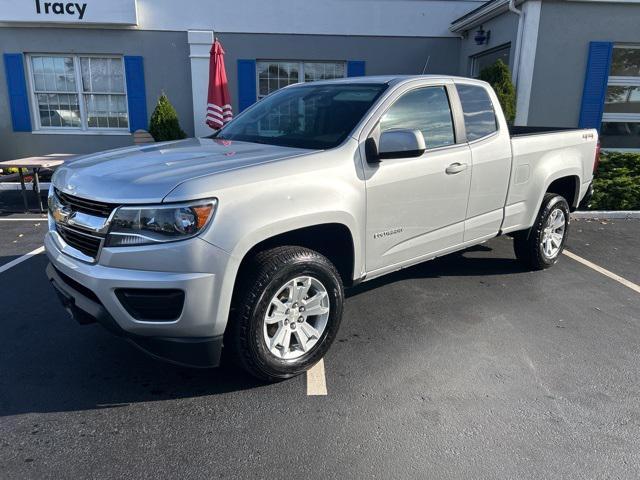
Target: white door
x=416, y=206
x=491, y=158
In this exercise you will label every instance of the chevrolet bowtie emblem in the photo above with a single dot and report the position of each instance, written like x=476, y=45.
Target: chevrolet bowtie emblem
x=61, y=213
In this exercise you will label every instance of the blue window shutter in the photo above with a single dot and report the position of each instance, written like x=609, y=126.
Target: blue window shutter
x=355, y=68
x=595, y=84
x=17, y=89
x=136, y=95
x=246, y=83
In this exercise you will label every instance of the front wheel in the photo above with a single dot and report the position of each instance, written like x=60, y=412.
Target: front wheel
x=289, y=307
x=540, y=246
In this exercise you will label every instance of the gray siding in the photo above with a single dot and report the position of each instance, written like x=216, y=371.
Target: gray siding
x=504, y=29
x=166, y=64
x=565, y=30
x=383, y=55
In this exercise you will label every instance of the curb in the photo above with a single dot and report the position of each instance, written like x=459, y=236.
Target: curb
x=607, y=214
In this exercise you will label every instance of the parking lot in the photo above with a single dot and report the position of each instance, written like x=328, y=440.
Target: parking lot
x=463, y=367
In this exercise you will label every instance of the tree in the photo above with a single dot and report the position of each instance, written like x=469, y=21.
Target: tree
x=499, y=76
x=164, y=123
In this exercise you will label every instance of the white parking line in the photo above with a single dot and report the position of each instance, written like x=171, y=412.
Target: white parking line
x=21, y=259
x=316, y=381
x=36, y=220
x=604, y=271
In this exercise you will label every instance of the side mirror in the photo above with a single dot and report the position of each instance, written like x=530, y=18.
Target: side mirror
x=401, y=143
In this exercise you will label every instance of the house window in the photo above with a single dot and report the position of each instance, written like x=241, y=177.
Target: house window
x=488, y=58
x=78, y=93
x=621, y=118
x=274, y=74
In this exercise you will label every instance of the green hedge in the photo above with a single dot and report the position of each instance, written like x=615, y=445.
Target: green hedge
x=617, y=182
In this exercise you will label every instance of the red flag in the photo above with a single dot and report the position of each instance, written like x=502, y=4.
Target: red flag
x=218, y=101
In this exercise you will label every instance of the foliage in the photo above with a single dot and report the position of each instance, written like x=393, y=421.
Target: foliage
x=499, y=76
x=164, y=124
x=617, y=182
x=10, y=170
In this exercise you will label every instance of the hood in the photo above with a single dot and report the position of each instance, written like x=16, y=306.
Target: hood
x=146, y=174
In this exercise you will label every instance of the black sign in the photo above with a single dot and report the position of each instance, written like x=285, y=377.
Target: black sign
x=61, y=8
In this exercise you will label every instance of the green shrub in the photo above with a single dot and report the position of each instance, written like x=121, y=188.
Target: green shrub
x=617, y=182
x=499, y=76
x=164, y=124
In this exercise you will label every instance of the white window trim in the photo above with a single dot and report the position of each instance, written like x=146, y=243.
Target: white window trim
x=624, y=81
x=300, y=70
x=83, y=129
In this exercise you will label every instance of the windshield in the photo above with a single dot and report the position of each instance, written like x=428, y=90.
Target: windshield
x=309, y=116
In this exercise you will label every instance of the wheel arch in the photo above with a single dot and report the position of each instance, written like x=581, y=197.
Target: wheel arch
x=334, y=239
x=567, y=186
x=565, y=181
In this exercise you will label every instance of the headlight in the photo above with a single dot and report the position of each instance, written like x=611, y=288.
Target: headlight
x=146, y=225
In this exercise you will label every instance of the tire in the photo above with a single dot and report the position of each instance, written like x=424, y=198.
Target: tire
x=531, y=246
x=269, y=277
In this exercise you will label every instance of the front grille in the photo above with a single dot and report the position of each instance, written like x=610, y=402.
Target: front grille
x=92, y=207
x=87, y=244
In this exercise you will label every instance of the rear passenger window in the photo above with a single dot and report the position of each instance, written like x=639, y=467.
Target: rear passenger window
x=425, y=109
x=479, y=117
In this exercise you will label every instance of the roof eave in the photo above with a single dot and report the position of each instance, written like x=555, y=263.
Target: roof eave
x=487, y=12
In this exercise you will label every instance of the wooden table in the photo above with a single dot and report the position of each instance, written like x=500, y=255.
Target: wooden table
x=35, y=164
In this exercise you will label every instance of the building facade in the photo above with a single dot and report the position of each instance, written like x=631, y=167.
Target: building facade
x=575, y=63
x=81, y=77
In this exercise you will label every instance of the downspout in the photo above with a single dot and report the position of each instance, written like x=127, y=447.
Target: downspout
x=518, y=49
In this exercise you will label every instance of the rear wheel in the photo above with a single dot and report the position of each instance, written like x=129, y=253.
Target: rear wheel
x=540, y=246
x=289, y=307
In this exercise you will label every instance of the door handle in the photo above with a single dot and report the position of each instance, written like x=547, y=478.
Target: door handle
x=456, y=168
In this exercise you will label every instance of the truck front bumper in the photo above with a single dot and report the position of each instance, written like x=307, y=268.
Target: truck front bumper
x=188, y=351
x=192, y=336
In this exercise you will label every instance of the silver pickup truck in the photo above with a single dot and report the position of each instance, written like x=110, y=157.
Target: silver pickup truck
x=248, y=238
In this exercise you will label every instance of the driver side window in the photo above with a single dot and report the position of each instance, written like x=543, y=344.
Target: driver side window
x=426, y=109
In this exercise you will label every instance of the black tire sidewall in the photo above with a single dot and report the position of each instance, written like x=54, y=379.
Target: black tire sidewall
x=264, y=360
x=552, y=203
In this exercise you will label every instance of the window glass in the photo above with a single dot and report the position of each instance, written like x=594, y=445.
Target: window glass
x=622, y=99
x=323, y=71
x=60, y=83
x=621, y=119
x=625, y=62
x=103, y=85
x=484, y=60
x=273, y=75
x=53, y=78
x=620, y=135
x=479, y=117
x=307, y=116
x=424, y=109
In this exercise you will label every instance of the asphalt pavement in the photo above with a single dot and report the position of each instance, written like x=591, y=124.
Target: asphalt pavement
x=463, y=367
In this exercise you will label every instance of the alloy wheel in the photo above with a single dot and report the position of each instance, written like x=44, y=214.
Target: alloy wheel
x=296, y=317
x=553, y=233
